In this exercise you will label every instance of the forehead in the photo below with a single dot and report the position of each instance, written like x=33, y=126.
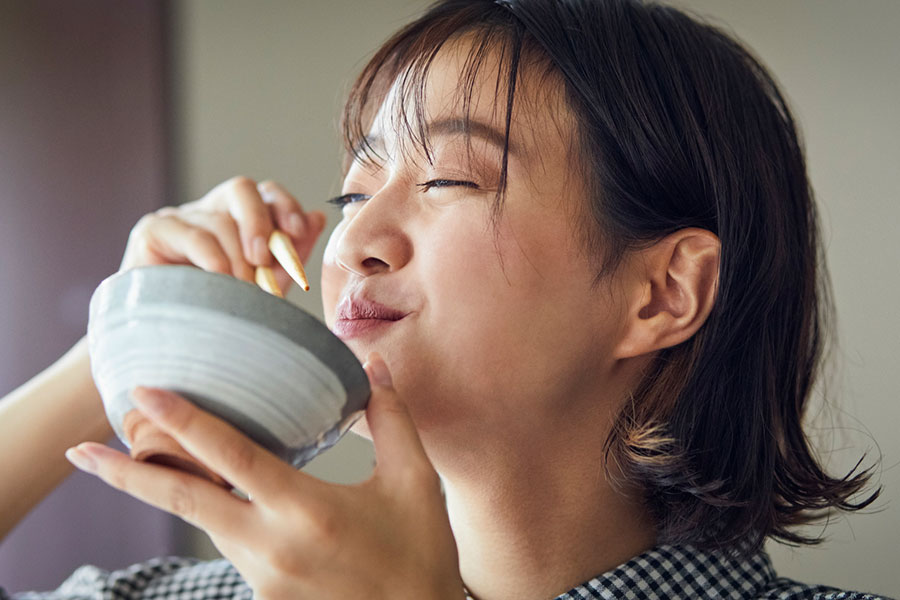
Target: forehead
x=464, y=93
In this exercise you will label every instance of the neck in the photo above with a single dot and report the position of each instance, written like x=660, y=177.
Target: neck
x=544, y=521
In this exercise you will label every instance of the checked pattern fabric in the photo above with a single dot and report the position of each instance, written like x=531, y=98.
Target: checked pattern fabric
x=673, y=572
x=664, y=573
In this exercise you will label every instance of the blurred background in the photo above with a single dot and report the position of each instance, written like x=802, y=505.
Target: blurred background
x=111, y=109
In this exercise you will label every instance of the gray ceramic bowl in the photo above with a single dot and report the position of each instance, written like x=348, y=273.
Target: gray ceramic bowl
x=257, y=361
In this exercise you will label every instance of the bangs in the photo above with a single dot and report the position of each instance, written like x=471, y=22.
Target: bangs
x=403, y=63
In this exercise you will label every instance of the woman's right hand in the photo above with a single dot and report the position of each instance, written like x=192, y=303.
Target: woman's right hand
x=61, y=407
x=226, y=231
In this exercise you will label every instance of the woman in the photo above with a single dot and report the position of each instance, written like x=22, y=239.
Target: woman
x=580, y=258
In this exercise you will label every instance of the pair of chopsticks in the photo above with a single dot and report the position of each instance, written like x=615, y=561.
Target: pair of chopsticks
x=282, y=249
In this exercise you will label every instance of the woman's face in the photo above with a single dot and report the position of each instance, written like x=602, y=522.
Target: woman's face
x=477, y=321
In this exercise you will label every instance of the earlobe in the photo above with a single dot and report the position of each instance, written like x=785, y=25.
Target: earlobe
x=671, y=292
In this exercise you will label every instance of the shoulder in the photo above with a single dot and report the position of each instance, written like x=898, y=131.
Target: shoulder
x=169, y=578
x=787, y=589
x=670, y=572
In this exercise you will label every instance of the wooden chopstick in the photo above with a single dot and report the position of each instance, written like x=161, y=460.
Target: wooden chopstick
x=282, y=249
x=265, y=279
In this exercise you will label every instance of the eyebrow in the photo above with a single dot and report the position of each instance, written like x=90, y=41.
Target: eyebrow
x=449, y=126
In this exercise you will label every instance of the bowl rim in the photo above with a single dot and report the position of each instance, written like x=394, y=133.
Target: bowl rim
x=179, y=284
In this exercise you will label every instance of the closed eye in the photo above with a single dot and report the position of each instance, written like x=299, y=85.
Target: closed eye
x=344, y=200
x=439, y=183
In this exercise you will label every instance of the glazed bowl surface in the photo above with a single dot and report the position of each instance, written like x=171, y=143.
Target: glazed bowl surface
x=257, y=361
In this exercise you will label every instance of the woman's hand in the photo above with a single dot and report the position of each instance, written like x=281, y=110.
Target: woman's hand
x=61, y=406
x=297, y=536
x=226, y=231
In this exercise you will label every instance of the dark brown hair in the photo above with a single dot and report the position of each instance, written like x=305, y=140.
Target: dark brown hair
x=678, y=126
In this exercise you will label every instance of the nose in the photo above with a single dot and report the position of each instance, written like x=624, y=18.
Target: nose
x=375, y=239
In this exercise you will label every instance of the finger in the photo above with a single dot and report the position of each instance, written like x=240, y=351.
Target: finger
x=195, y=500
x=289, y=215
x=398, y=448
x=303, y=227
x=168, y=211
x=253, y=219
x=221, y=447
x=226, y=231
x=315, y=221
x=171, y=240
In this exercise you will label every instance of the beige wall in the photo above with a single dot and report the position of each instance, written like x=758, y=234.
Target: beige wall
x=260, y=86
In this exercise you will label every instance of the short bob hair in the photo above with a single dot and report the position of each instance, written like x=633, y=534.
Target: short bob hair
x=678, y=126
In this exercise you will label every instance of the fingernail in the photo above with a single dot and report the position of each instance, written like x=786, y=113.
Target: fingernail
x=82, y=460
x=260, y=250
x=265, y=190
x=379, y=372
x=295, y=224
x=152, y=404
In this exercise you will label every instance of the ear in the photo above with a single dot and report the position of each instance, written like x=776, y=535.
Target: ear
x=670, y=290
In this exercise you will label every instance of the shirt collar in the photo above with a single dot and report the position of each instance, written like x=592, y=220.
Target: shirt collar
x=676, y=572
x=670, y=572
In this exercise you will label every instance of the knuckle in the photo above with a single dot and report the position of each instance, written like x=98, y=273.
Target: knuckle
x=291, y=206
x=201, y=237
x=183, y=420
x=180, y=501
x=241, y=183
x=166, y=211
x=118, y=479
x=221, y=221
x=143, y=224
x=284, y=556
x=391, y=406
x=219, y=264
x=286, y=203
x=207, y=246
x=259, y=217
x=239, y=456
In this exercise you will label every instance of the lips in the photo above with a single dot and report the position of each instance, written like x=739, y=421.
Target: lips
x=358, y=317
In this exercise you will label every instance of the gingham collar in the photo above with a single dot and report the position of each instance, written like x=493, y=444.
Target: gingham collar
x=677, y=572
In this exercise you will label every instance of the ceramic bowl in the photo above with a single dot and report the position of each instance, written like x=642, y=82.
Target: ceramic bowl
x=259, y=362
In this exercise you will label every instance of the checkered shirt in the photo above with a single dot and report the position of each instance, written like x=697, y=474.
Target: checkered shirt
x=664, y=573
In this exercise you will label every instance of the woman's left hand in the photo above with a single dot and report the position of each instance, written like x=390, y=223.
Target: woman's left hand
x=297, y=536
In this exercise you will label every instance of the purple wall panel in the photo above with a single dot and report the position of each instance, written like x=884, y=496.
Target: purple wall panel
x=82, y=157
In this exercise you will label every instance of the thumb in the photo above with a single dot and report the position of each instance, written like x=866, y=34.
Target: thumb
x=397, y=443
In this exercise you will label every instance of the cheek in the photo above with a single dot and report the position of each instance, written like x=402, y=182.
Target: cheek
x=478, y=301
x=333, y=276
x=498, y=272
x=458, y=266
x=511, y=311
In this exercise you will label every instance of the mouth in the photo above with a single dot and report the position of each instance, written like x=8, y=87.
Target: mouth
x=359, y=317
